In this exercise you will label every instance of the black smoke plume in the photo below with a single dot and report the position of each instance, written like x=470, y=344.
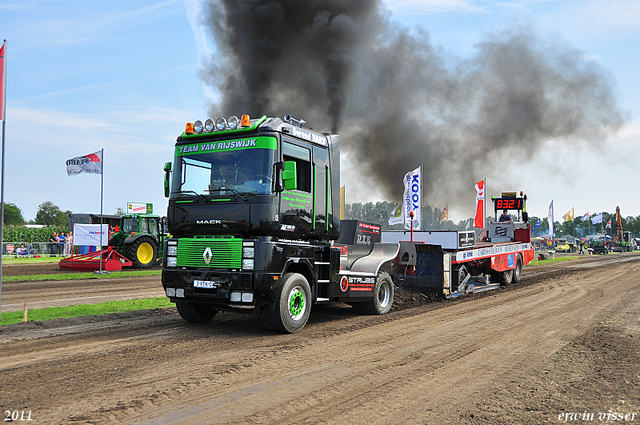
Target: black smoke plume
x=398, y=100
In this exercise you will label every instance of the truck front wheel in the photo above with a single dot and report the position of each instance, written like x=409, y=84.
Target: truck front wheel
x=143, y=252
x=382, y=300
x=293, y=305
x=195, y=313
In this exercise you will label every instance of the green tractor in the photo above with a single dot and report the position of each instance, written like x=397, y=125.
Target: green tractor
x=139, y=237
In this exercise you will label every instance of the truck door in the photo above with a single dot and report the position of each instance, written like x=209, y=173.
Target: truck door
x=296, y=206
x=321, y=191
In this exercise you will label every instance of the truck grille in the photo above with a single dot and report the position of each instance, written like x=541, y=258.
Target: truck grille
x=225, y=252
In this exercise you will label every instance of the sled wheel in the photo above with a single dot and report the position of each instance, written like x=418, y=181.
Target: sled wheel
x=506, y=277
x=196, y=313
x=517, y=272
x=143, y=253
x=293, y=305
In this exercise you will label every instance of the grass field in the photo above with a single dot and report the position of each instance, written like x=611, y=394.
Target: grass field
x=29, y=260
x=51, y=313
x=83, y=275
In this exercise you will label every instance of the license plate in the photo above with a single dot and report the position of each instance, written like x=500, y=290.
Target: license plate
x=205, y=284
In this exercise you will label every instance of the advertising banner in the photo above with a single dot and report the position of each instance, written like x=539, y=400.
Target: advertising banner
x=89, y=234
x=412, y=200
x=139, y=208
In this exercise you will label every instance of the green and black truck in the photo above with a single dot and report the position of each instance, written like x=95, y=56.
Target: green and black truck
x=253, y=215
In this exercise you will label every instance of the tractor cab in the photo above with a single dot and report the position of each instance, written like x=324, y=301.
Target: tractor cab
x=138, y=237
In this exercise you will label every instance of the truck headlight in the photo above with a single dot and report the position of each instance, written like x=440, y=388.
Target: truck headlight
x=248, y=252
x=172, y=250
x=247, y=264
x=172, y=262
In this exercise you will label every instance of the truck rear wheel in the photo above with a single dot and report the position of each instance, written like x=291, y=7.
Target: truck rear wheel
x=382, y=301
x=195, y=313
x=143, y=252
x=293, y=305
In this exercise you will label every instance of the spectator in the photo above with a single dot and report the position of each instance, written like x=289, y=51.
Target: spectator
x=61, y=239
x=68, y=244
x=22, y=251
x=53, y=244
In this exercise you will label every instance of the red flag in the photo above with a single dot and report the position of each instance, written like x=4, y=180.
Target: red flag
x=3, y=82
x=480, y=198
x=445, y=214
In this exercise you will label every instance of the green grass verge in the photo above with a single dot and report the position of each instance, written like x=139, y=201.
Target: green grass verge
x=536, y=262
x=14, y=260
x=51, y=313
x=86, y=275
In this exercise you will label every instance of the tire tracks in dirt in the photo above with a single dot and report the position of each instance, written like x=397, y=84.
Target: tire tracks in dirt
x=419, y=365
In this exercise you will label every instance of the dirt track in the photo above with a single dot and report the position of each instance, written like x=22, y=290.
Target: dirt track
x=567, y=340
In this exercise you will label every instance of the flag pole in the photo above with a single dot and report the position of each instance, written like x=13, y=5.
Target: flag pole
x=3, y=115
x=101, y=204
x=2, y=217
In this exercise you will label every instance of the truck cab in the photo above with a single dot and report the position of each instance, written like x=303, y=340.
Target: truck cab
x=253, y=212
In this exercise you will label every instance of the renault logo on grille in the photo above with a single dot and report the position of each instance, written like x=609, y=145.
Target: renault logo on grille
x=207, y=255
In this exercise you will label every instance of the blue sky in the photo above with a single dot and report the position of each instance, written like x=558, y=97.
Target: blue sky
x=124, y=76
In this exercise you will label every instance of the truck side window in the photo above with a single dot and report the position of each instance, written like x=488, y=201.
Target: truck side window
x=302, y=157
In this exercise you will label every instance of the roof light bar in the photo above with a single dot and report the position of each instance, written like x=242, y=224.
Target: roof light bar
x=220, y=124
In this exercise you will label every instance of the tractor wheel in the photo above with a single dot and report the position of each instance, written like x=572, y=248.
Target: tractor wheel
x=517, y=272
x=143, y=252
x=382, y=297
x=195, y=313
x=293, y=304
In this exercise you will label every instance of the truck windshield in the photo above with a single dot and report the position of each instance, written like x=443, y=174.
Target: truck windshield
x=242, y=171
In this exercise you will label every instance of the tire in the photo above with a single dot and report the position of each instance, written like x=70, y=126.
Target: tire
x=196, y=313
x=293, y=305
x=517, y=272
x=143, y=252
x=506, y=277
x=382, y=300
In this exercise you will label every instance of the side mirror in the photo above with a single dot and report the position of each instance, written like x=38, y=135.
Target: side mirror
x=290, y=175
x=167, y=174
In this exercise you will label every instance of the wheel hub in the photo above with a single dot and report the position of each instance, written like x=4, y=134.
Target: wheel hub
x=296, y=303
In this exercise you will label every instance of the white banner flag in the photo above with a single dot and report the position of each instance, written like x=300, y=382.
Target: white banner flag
x=396, y=216
x=550, y=219
x=412, y=200
x=90, y=234
x=91, y=164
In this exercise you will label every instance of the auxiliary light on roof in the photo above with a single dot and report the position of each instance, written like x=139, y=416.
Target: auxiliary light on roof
x=220, y=124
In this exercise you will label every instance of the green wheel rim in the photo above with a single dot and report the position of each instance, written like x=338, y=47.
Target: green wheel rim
x=297, y=304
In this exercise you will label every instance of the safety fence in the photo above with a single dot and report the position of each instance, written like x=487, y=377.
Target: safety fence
x=40, y=249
